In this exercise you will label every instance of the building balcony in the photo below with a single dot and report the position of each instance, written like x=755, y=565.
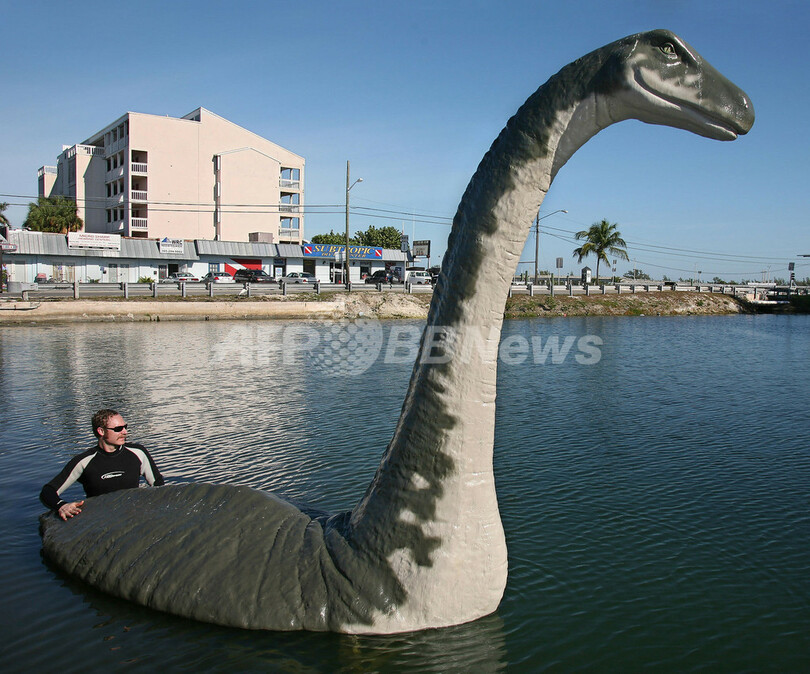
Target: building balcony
x=50, y=170
x=139, y=223
x=289, y=184
x=289, y=235
x=139, y=167
x=288, y=208
x=87, y=150
x=138, y=195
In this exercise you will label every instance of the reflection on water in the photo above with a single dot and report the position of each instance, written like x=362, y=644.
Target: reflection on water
x=654, y=502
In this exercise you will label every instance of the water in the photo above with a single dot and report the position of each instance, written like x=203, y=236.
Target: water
x=655, y=502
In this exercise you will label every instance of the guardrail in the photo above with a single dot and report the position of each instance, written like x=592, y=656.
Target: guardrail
x=84, y=290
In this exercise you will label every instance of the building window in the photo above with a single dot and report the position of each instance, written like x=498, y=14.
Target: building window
x=213, y=267
x=290, y=177
x=290, y=223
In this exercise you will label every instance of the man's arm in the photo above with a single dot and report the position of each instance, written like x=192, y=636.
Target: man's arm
x=149, y=468
x=50, y=494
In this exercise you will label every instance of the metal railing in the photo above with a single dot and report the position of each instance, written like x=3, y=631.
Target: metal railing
x=139, y=223
x=139, y=167
x=89, y=150
x=138, y=195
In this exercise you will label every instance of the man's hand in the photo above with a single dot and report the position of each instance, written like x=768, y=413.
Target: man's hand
x=70, y=509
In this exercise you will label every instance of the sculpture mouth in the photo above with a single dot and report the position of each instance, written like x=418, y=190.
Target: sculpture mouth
x=725, y=124
x=716, y=109
x=719, y=129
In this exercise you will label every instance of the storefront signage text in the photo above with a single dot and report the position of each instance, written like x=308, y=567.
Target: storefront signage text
x=92, y=240
x=334, y=251
x=174, y=246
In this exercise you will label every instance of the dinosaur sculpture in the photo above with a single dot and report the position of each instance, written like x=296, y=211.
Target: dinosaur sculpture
x=424, y=547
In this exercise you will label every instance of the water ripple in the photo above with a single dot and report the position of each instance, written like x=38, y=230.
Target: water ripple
x=655, y=504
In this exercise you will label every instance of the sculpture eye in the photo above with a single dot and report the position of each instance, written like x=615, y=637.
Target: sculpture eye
x=668, y=48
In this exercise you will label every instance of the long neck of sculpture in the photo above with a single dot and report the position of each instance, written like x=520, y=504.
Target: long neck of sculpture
x=436, y=482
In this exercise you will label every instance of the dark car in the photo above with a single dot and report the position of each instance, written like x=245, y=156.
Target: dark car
x=382, y=276
x=252, y=276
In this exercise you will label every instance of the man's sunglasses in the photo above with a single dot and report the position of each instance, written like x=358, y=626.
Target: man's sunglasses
x=117, y=429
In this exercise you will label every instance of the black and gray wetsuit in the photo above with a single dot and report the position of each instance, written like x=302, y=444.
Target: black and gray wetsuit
x=101, y=472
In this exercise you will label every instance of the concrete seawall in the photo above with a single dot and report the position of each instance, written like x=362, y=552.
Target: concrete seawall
x=354, y=305
x=66, y=311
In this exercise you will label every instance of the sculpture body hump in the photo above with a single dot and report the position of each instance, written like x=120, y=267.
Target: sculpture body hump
x=424, y=547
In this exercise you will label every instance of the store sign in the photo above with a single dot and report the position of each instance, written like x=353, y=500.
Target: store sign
x=8, y=247
x=92, y=240
x=421, y=248
x=173, y=246
x=334, y=251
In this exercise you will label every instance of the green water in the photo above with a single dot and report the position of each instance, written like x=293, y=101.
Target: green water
x=655, y=501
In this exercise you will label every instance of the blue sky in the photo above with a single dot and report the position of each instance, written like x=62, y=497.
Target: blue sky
x=413, y=94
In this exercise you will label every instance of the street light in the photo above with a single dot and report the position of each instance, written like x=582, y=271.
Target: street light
x=537, y=237
x=348, y=189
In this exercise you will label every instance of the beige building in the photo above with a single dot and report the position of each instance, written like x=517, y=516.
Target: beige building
x=194, y=177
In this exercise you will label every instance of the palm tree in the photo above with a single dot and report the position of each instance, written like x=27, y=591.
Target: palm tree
x=53, y=214
x=3, y=218
x=602, y=238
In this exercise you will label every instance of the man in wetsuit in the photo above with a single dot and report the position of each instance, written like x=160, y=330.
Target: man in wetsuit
x=110, y=465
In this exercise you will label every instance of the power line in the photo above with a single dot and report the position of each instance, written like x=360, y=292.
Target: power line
x=682, y=252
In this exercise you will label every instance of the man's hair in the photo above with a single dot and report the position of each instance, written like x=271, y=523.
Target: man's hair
x=100, y=419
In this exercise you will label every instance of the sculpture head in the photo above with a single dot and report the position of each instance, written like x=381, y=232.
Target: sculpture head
x=658, y=78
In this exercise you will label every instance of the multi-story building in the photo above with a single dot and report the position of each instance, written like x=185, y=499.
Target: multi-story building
x=194, y=177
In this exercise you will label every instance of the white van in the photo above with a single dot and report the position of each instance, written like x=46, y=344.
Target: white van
x=418, y=277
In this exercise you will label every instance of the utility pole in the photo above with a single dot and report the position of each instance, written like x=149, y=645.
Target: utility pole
x=348, y=189
x=537, y=238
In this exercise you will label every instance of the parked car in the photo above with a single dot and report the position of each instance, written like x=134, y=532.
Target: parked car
x=180, y=277
x=298, y=277
x=382, y=276
x=217, y=277
x=252, y=276
x=418, y=278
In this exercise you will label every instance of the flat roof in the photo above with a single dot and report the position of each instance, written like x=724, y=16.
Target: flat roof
x=47, y=243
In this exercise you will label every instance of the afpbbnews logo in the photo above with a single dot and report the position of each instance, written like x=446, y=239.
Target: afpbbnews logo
x=351, y=347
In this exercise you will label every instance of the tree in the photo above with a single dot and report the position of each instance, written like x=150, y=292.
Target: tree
x=638, y=275
x=3, y=218
x=385, y=237
x=602, y=238
x=53, y=214
x=332, y=239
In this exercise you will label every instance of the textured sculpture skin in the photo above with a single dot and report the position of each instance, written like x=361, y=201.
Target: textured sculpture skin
x=424, y=547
